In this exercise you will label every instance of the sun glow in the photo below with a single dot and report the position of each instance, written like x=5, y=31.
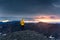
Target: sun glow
x=47, y=19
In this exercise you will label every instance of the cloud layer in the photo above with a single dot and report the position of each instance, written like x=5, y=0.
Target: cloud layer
x=28, y=7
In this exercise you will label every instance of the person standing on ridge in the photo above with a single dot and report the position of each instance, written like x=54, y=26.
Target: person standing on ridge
x=22, y=24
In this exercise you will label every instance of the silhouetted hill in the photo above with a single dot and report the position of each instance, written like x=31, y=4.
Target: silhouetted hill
x=44, y=28
x=49, y=29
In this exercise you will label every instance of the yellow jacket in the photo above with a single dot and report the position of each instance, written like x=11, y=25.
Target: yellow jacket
x=22, y=22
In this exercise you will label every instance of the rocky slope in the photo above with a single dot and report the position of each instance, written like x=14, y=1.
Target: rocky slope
x=25, y=35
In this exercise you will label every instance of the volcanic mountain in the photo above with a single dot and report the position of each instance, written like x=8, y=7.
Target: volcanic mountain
x=41, y=27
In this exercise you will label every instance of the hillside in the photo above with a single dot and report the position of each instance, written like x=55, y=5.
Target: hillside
x=25, y=35
x=45, y=28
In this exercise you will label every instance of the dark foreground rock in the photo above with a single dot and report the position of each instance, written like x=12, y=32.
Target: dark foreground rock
x=25, y=35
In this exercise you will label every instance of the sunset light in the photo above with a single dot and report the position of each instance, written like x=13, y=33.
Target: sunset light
x=47, y=19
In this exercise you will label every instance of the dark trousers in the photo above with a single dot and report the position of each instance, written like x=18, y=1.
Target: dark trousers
x=22, y=27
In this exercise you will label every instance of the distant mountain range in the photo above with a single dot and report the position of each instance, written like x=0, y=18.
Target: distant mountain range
x=15, y=18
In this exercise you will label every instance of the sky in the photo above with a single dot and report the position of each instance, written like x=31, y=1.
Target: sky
x=29, y=8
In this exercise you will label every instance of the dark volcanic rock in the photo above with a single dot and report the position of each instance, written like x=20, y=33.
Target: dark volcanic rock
x=25, y=35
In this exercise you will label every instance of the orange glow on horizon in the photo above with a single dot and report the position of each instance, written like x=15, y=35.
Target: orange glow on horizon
x=47, y=19
x=43, y=18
